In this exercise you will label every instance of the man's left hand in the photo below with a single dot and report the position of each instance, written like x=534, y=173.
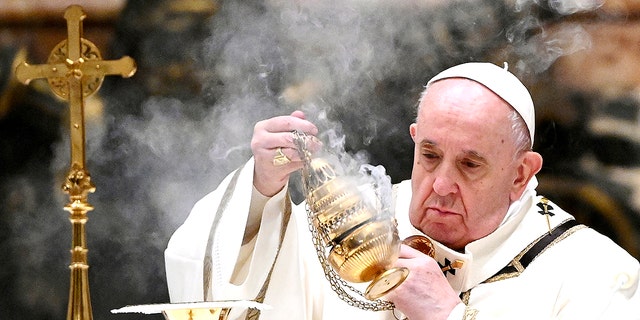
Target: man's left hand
x=426, y=293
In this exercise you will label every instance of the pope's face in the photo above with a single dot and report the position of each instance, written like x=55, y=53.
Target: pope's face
x=464, y=171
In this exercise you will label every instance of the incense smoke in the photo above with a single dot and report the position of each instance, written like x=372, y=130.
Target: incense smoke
x=355, y=67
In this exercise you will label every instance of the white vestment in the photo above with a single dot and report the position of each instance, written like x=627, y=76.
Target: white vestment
x=581, y=276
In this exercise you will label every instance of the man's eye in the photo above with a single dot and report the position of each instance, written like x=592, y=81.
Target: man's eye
x=430, y=155
x=470, y=164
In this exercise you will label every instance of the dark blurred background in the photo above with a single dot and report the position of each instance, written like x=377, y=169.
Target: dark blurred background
x=208, y=70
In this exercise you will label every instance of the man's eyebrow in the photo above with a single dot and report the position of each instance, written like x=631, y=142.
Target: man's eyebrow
x=475, y=155
x=428, y=143
x=469, y=153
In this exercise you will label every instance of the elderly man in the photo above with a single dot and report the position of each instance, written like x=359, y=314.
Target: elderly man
x=501, y=250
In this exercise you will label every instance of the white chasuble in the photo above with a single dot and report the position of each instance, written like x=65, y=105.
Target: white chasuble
x=581, y=275
x=297, y=288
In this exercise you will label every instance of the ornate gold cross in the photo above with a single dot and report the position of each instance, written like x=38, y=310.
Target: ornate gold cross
x=75, y=70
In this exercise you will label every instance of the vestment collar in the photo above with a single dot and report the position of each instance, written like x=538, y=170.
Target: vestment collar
x=481, y=259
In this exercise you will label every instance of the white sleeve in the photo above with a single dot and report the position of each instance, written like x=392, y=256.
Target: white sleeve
x=184, y=256
x=239, y=266
x=259, y=234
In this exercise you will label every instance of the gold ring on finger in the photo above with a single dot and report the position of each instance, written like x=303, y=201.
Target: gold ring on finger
x=280, y=158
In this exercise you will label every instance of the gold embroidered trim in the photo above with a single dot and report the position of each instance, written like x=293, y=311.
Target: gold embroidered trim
x=469, y=313
x=207, y=268
x=254, y=314
x=516, y=261
x=465, y=296
x=561, y=237
x=503, y=276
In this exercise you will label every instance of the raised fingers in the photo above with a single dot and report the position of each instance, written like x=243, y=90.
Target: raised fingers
x=275, y=151
x=274, y=136
x=295, y=121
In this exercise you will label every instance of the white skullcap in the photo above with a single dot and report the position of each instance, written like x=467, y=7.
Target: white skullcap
x=502, y=82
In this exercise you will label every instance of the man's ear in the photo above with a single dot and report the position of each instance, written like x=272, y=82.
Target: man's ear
x=413, y=130
x=530, y=164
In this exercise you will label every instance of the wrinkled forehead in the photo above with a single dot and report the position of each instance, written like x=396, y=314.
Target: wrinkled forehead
x=466, y=103
x=501, y=82
x=463, y=98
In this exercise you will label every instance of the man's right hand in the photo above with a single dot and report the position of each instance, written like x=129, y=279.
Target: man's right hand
x=270, y=136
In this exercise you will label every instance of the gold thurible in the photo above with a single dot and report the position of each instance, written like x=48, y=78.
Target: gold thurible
x=361, y=236
x=364, y=243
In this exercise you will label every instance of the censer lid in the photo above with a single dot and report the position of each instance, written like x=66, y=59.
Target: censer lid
x=317, y=172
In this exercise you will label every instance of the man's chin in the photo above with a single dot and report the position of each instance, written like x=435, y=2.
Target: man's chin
x=443, y=234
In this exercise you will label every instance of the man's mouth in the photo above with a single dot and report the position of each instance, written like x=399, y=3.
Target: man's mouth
x=441, y=211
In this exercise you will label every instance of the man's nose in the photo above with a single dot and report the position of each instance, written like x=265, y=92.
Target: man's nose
x=444, y=182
